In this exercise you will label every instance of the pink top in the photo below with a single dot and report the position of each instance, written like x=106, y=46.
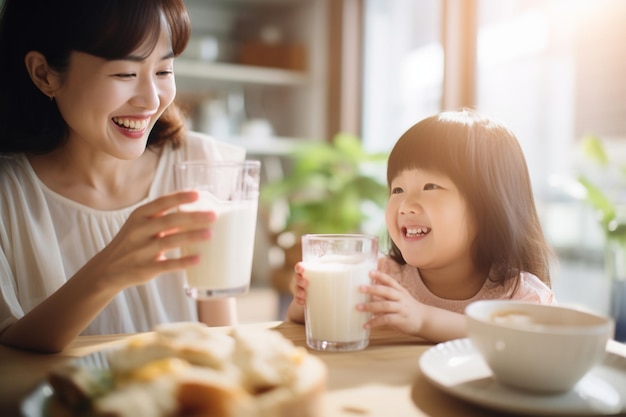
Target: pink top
x=531, y=288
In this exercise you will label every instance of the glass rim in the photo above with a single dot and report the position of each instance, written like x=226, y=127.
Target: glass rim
x=200, y=162
x=339, y=236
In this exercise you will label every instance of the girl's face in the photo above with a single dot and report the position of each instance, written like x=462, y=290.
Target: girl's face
x=428, y=220
x=111, y=106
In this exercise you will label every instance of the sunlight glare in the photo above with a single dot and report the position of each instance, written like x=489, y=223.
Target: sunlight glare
x=506, y=41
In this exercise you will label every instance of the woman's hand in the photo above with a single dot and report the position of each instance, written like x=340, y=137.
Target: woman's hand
x=138, y=251
x=392, y=305
x=134, y=256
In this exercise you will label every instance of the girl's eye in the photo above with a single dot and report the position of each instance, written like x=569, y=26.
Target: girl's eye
x=396, y=190
x=161, y=74
x=431, y=186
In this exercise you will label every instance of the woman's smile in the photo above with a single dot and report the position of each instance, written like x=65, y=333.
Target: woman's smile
x=131, y=124
x=132, y=127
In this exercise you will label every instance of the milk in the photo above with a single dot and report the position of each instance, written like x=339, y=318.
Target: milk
x=226, y=258
x=332, y=296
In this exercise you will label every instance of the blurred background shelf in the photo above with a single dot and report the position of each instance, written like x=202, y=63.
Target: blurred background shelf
x=193, y=72
x=251, y=60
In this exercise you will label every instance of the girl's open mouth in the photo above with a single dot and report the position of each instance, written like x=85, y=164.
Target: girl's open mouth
x=415, y=231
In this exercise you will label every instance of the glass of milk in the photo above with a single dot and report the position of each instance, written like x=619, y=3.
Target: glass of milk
x=231, y=190
x=335, y=266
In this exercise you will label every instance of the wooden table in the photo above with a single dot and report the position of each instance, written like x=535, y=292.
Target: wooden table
x=382, y=380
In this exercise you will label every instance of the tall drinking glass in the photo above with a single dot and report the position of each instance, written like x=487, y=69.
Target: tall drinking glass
x=335, y=267
x=231, y=190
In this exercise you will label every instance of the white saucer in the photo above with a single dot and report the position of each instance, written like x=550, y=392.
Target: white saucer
x=458, y=369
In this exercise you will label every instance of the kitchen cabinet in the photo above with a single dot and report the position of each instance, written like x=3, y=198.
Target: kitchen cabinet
x=254, y=72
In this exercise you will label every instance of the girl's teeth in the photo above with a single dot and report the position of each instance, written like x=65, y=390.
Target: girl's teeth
x=416, y=231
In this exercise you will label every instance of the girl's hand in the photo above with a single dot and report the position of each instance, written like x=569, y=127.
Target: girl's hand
x=295, y=311
x=392, y=305
x=137, y=253
x=300, y=285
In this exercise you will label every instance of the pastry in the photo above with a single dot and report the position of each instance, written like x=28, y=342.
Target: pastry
x=185, y=369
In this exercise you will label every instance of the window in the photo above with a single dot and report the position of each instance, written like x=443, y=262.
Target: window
x=549, y=70
x=403, y=67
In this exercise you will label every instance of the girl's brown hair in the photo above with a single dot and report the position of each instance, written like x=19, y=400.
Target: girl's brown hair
x=111, y=29
x=485, y=161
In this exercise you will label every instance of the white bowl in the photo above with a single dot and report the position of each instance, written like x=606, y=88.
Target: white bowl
x=537, y=347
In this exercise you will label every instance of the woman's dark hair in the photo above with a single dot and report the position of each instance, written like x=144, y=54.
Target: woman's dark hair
x=110, y=29
x=485, y=161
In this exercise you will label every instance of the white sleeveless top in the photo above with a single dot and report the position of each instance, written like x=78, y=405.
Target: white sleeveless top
x=45, y=238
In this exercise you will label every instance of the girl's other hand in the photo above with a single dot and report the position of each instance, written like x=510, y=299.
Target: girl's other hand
x=392, y=305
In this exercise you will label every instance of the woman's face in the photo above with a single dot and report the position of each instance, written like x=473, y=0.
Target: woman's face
x=428, y=220
x=111, y=106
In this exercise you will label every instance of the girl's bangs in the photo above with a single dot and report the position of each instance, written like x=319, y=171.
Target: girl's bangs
x=426, y=146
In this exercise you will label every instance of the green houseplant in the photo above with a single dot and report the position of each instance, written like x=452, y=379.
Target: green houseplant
x=326, y=190
x=609, y=201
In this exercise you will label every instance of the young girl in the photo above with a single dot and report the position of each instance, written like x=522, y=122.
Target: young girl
x=463, y=226
x=89, y=135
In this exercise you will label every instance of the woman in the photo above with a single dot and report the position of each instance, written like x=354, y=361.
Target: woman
x=89, y=134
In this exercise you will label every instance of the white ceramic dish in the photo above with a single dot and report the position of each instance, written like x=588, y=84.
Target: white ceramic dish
x=458, y=369
x=36, y=404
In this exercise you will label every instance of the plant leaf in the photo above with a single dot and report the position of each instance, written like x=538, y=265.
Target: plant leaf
x=327, y=185
x=599, y=201
x=593, y=148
